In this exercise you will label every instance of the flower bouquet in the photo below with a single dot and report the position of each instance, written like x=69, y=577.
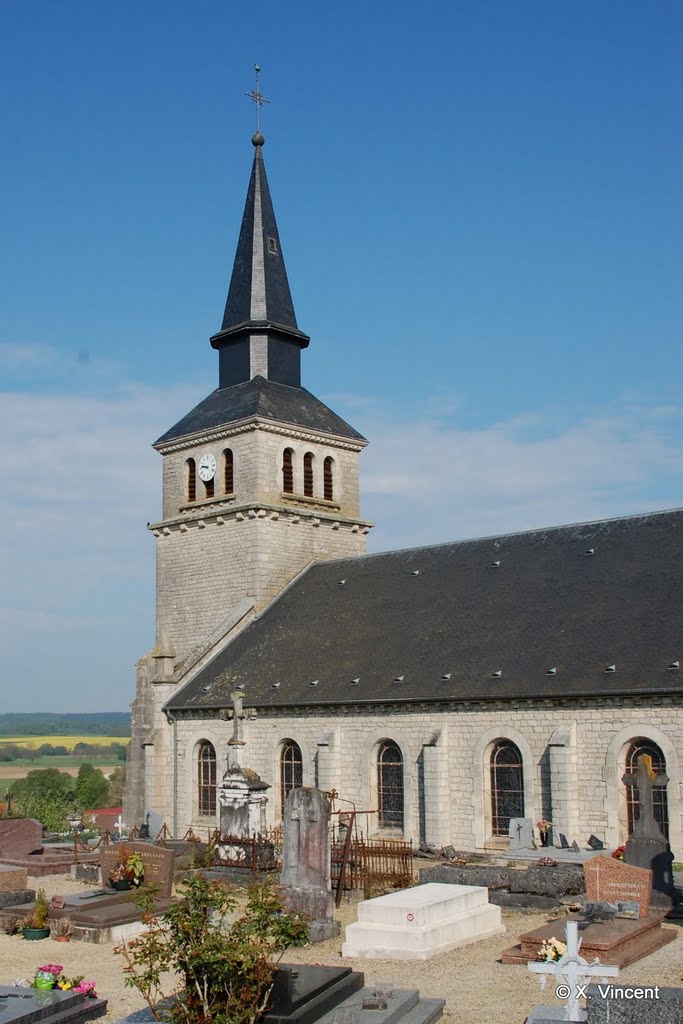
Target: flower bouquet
x=618, y=854
x=551, y=949
x=50, y=976
x=129, y=870
x=544, y=826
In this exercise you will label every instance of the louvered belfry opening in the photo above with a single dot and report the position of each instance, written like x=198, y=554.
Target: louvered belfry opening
x=191, y=480
x=660, y=806
x=507, y=786
x=328, y=479
x=208, y=489
x=288, y=471
x=308, y=474
x=291, y=769
x=228, y=472
x=390, y=785
x=206, y=779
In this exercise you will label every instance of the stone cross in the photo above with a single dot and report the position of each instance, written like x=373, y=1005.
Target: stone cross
x=572, y=973
x=237, y=742
x=119, y=825
x=645, y=779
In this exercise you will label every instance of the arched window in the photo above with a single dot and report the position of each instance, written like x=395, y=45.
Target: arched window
x=328, y=479
x=206, y=778
x=228, y=472
x=191, y=480
x=287, y=471
x=507, y=786
x=208, y=488
x=637, y=748
x=291, y=769
x=390, y=785
x=308, y=474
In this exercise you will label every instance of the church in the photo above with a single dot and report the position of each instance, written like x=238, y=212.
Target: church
x=443, y=690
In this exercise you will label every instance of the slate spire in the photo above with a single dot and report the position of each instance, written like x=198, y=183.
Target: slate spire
x=259, y=335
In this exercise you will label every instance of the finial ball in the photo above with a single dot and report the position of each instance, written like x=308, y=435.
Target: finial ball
x=258, y=139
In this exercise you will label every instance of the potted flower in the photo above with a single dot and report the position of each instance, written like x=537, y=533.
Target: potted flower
x=46, y=977
x=129, y=870
x=544, y=826
x=36, y=926
x=61, y=929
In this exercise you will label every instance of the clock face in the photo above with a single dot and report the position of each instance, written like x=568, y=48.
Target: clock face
x=207, y=467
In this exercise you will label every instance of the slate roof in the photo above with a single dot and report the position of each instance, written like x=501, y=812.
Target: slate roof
x=264, y=398
x=436, y=623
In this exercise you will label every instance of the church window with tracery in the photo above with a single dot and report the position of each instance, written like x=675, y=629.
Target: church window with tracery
x=206, y=779
x=228, y=472
x=191, y=480
x=288, y=471
x=390, y=785
x=507, y=786
x=328, y=479
x=660, y=808
x=308, y=474
x=291, y=769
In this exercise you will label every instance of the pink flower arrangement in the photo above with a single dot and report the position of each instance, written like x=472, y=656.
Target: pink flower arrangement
x=86, y=988
x=52, y=969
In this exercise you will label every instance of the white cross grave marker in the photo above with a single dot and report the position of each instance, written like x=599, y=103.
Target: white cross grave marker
x=572, y=973
x=119, y=825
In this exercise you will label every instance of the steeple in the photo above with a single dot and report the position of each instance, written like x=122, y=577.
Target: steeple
x=259, y=335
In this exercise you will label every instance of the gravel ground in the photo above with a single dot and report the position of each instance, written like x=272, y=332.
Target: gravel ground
x=476, y=988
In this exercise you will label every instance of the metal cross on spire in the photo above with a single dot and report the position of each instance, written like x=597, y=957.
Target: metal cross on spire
x=257, y=98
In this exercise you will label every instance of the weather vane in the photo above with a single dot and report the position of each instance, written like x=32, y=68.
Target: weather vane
x=258, y=99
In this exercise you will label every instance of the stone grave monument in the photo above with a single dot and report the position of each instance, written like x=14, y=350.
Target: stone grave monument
x=616, y=891
x=647, y=846
x=27, y=1005
x=573, y=973
x=242, y=794
x=14, y=886
x=306, y=863
x=421, y=922
x=521, y=831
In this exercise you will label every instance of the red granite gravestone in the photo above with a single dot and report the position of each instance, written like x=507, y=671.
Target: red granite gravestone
x=610, y=881
x=19, y=837
x=159, y=864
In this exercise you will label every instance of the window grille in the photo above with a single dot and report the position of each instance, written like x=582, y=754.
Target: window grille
x=206, y=779
x=287, y=471
x=328, y=480
x=507, y=786
x=308, y=474
x=191, y=480
x=208, y=489
x=659, y=802
x=390, y=786
x=228, y=472
x=291, y=769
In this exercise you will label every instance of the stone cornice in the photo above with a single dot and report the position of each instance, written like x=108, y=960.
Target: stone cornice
x=220, y=513
x=258, y=423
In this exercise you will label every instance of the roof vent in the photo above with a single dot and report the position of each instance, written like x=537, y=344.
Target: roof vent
x=206, y=689
x=551, y=672
x=611, y=668
x=415, y=572
x=240, y=686
x=674, y=666
x=446, y=676
x=341, y=582
x=355, y=682
x=399, y=679
x=589, y=551
x=314, y=682
x=275, y=686
x=494, y=565
x=497, y=674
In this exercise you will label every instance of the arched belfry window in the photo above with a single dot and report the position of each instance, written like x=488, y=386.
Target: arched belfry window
x=660, y=808
x=507, y=786
x=191, y=480
x=206, y=778
x=288, y=471
x=209, y=488
x=390, y=785
x=291, y=769
x=328, y=478
x=228, y=472
x=308, y=474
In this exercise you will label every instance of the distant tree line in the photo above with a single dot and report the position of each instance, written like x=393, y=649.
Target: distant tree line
x=52, y=796
x=40, y=723
x=15, y=752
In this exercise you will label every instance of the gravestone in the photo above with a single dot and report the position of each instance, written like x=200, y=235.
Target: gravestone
x=575, y=847
x=159, y=864
x=306, y=864
x=635, y=1004
x=610, y=881
x=562, y=841
x=647, y=847
x=521, y=832
x=242, y=795
x=20, y=837
x=14, y=886
x=570, y=971
x=26, y=1005
x=595, y=843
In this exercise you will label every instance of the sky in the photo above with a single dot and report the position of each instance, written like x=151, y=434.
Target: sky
x=480, y=208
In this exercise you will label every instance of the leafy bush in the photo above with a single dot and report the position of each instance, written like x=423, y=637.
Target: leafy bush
x=223, y=959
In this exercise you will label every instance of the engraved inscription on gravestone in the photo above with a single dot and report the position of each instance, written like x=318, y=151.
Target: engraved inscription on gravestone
x=610, y=881
x=158, y=864
x=521, y=833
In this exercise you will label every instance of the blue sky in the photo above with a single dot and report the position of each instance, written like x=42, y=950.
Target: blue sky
x=480, y=207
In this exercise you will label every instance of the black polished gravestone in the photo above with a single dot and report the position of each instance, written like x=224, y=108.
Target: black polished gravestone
x=27, y=1005
x=302, y=993
x=647, y=846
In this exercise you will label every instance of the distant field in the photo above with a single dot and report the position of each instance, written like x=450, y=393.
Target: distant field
x=63, y=741
x=9, y=773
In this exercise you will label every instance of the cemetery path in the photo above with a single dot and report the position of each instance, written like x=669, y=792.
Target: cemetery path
x=476, y=988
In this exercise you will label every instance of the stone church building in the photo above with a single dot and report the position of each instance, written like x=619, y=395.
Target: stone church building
x=445, y=689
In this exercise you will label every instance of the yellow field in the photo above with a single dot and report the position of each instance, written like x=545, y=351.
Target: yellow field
x=63, y=741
